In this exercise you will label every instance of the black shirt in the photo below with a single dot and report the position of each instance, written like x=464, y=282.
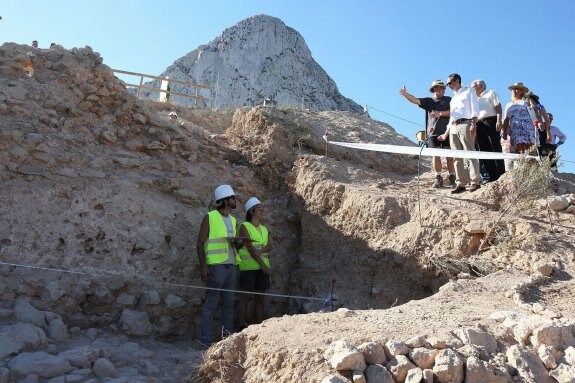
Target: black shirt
x=441, y=104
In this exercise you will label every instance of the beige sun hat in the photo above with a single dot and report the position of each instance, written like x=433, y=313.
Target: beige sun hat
x=436, y=83
x=519, y=85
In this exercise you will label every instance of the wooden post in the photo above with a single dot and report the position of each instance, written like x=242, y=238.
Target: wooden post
x=165, y=89
x=140, y=87
x=164, y=86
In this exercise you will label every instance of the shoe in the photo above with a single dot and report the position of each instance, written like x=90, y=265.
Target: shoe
x=458, y=189
x=452, y=180
x=438, y=182
x=474, y=188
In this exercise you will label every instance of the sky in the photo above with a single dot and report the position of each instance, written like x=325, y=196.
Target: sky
x=370, y=48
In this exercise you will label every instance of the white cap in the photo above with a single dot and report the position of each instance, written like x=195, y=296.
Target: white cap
x=223, y=191
x=173, y=114
x=252, y=202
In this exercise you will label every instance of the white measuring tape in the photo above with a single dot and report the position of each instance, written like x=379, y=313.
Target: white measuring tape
x=432, y=152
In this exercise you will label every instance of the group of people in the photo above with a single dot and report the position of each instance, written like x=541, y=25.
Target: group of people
x=222, y=246
x=35, y=44
x=473, y=119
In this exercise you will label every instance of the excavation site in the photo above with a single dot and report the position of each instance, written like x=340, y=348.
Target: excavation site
x=375, y=276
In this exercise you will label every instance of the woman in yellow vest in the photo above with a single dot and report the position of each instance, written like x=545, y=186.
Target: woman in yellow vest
x=254, y=261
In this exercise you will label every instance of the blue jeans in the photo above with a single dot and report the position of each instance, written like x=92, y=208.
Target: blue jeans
x=221, y=277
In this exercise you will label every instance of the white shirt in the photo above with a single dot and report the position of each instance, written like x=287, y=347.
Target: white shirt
x=556, y=133
x=487, y=103
x=463, y=104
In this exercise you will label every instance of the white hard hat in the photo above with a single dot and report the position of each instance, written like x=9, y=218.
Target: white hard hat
x=223, y=191
x=173, y=114
x=252, y=202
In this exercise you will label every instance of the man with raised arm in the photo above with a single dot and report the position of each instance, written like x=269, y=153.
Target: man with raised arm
x=436, y=119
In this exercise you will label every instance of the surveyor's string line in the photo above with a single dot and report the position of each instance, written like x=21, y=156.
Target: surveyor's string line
x=325, y=300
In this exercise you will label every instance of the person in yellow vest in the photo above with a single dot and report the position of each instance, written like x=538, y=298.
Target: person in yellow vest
x=216, y=247
x=254, y=261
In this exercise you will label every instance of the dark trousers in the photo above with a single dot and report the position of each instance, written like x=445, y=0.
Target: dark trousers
x=549, y=150
x=488, y=140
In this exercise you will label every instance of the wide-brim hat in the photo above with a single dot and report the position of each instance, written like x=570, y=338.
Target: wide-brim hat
x=531, y=94
x=436, y=83
x=518, y=85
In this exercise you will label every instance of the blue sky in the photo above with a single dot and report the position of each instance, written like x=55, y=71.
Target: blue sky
x=370, y=48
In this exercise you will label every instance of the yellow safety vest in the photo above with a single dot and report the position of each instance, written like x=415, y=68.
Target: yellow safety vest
x=260, y=240
x=216, y=247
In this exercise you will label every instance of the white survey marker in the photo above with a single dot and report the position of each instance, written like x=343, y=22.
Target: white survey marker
x=432, y=152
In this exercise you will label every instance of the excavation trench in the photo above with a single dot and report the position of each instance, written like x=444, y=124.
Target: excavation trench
x=349, y=274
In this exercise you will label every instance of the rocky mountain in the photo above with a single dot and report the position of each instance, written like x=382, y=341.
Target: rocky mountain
x=260, y=57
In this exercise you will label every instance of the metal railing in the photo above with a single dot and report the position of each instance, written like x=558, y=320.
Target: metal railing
x=166, y=80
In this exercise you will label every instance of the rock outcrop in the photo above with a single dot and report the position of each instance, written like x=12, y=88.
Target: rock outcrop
x=258, y=58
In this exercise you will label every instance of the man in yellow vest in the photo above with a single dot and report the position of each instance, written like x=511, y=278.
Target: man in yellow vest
x=217, y=255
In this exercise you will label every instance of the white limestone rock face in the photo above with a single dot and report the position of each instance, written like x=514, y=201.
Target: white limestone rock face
x=335, y=378
x=556, y=335
x=103, y=368
x=373, y=353
x=448, y=367
x=415, y=342
x=395, y=347
x=529, y=366
x=256, y=58
x=358, y=377
x=25, y=312
x=136, y=323
x=57, y=330
x=570, y=355
x=345, y=356
x=414, y=375
x=478, y=371
x=423, y=357
x=547, y=356
x=478, y=338
x=558, y=203
x=378, y=373
x=399, y=367
x=564, y=373
x=40, y=363
x=20, y=337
